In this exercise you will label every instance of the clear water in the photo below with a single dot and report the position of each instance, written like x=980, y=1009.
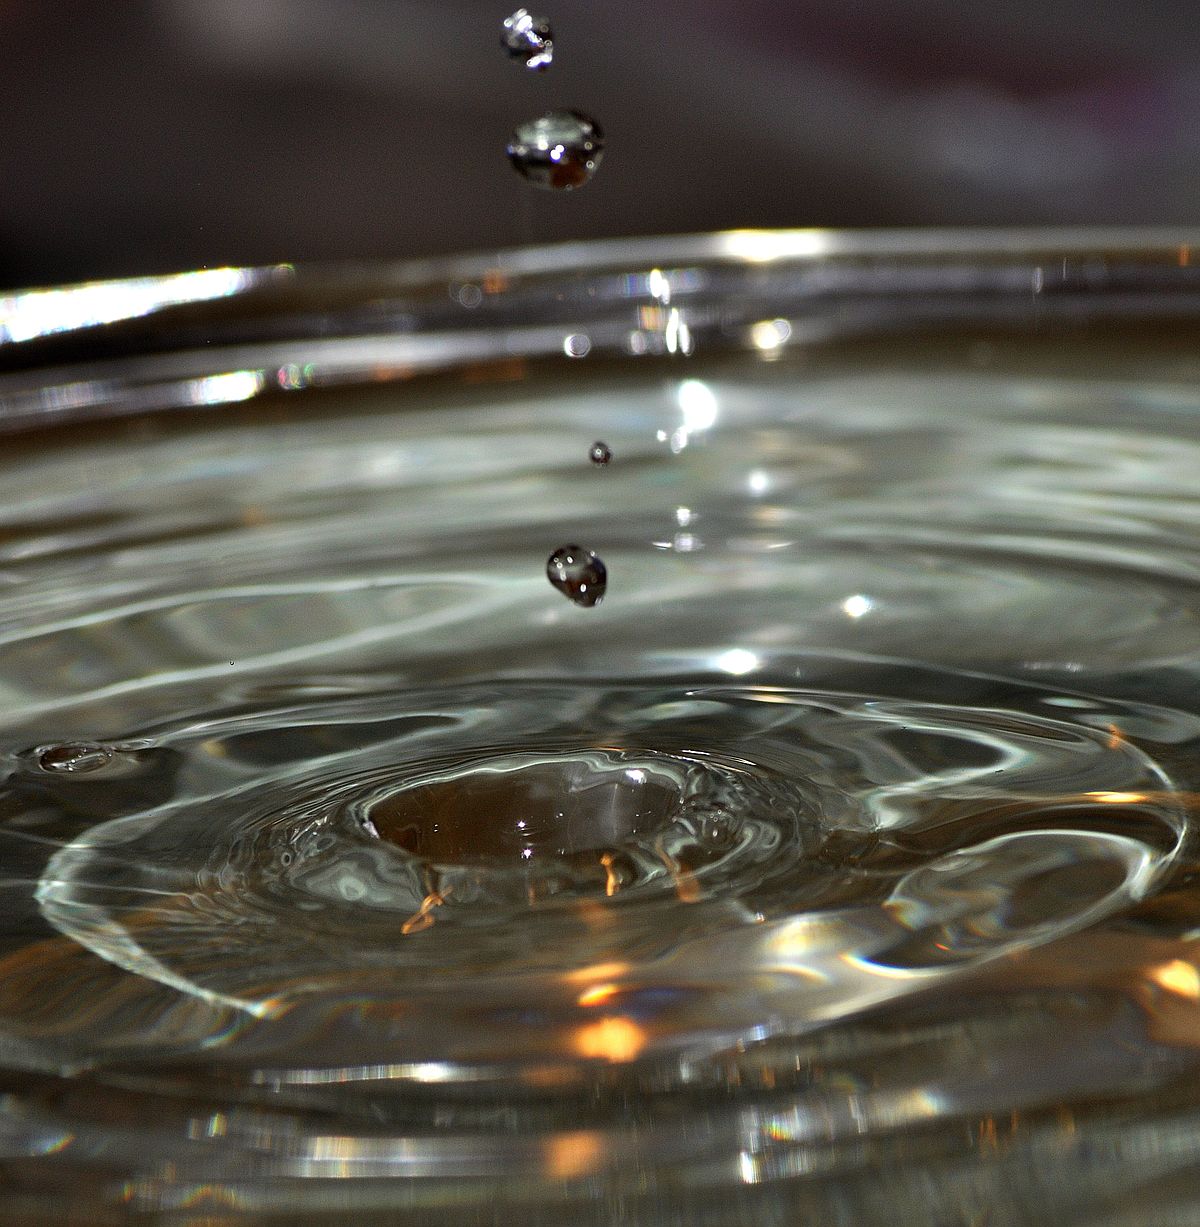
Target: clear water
x=836, y=868
x=529, y=40
x=559, y=151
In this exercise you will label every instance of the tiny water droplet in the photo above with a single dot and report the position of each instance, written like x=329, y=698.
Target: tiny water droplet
x=578, y=574
x=559, y=151
x=599, y=453
x=529, y=39
x=74, y=756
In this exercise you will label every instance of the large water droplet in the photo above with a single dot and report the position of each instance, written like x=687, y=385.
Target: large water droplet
x=75, y=756
x=529, y=39
x=578, y=574
x=559, y=151
x=599, y=453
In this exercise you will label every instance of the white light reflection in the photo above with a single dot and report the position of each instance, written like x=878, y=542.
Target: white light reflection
x=39, y=313
x=225, y=389
x=770, y=335
x=737, y=661
x=763, y=246
x=698, y=404
x=857, y=605
x=759, y=482
x=676, y=334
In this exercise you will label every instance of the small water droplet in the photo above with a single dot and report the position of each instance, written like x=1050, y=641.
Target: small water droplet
x=599, y=453
x=529, y=39
x=578, y=574
x=559, y=151
x=74, y=756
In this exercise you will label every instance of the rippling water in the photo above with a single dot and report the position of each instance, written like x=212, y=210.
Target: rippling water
x=838, y=864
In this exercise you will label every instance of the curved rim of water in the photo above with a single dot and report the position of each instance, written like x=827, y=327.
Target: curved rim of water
x=220, y=336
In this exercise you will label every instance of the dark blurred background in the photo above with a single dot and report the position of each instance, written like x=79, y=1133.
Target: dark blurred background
x=152, y=135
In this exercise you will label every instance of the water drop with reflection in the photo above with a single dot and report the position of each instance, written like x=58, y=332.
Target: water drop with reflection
x=76, y=757
x=559, y=151
x=529, y=39
x=579, y=574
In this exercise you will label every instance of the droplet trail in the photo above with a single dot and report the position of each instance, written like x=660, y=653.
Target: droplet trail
x=559, y=151
x=529, y=39
x=599, y=453
x=578, y=574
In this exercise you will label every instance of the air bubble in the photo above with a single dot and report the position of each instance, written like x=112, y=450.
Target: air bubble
x=75, y=757
x=559, y=151
x=717, y=828
x=578, y=574
x=529, y=39
x=599, y=453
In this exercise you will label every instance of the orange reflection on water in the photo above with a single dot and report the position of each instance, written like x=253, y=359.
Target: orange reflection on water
x=422, y=918
x=598, y=994
x=570, y=1155
x=596, y=972
x=1177, y=976
x=610, y=1039
x=610, y=878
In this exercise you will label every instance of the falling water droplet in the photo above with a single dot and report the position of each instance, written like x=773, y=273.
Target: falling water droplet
x=74, y=756
x=529, y=39
x=559, y=151
x=599, y=453
x=578, y=574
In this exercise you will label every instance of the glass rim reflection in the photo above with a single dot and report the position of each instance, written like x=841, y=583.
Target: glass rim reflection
x=222, y=336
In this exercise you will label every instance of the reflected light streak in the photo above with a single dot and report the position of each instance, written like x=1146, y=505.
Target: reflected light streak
x=611, y=883
x=598, y=994
x=677, y=336
x=598, y=972
x=1117, y=798
x=422, y=918
x=764, y=246
x=40, y=313
x=226, y=389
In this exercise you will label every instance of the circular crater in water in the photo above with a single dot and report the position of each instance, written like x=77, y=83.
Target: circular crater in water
x=481, y=870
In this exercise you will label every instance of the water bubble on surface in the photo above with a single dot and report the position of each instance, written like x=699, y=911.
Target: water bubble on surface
x=529, y=39
x=559, y=151
x=599, y=453
x=578, y=574
x=74, y=757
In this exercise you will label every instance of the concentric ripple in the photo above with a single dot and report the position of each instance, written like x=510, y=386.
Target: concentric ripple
x=838, y=867
x=819, y=852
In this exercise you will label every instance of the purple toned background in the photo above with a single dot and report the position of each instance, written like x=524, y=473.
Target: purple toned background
x=150, y=135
